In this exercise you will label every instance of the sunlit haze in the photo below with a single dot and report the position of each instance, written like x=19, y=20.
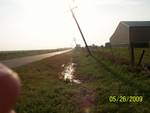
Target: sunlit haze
x=46, y=24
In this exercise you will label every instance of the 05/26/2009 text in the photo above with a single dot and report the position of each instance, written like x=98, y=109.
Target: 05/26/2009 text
x=125, y=99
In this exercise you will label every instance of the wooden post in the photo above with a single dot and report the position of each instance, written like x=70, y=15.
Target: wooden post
x=141, y=58
x=132, y=58
x=111, y=51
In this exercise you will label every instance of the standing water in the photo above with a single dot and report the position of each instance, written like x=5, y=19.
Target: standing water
x=68, y=73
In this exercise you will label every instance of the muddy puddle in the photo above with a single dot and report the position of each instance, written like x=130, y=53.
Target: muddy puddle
x=68, y=73
x=85, y=97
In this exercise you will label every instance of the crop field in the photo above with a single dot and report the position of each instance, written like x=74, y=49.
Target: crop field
x=5, y=55
x=44, y=92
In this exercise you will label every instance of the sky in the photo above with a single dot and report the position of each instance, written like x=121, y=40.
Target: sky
x=48, y=24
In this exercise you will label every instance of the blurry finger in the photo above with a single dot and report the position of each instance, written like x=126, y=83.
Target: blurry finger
x=9, y=89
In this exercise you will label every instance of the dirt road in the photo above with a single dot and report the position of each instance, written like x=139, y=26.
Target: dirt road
x=12, y=63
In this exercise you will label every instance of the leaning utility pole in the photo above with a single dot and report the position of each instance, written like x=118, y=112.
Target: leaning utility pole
x=75, y=41
x=81, y=32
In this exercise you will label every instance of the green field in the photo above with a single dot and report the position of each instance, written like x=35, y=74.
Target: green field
x=44, y=92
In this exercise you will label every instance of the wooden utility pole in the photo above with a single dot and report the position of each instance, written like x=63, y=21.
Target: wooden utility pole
x=88, y=50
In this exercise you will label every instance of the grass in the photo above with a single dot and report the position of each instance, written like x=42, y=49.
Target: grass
x=124, y=53
x=44, y=92
x=5, y=55
x=109, y=79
